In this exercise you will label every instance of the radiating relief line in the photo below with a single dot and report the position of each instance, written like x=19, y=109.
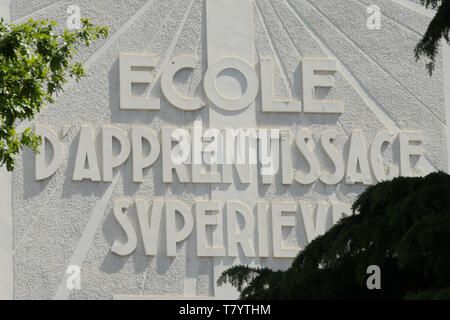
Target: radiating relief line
x=145, y=276
x=93, y=57
x=110, y=40
x=158, y=74
x=366, y=96
x=369, y=57
x=26, y=17
x=281, y=66
x=419, y=37
x=299, y=52
x=200, y=38
x=174, y=42
x=82, y=248
x=88, y=62
x=332, y=190
x=162, y=25
x=35, y=219
x=360, y=89
x=383, y=13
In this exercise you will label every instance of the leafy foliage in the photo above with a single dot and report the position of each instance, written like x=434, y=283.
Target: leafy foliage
x=439, y=28
x=35, y=62
x=403, y=226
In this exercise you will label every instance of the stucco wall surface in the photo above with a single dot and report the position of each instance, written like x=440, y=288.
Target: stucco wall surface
x=381, y=84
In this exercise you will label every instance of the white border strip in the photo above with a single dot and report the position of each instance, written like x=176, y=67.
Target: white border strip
x=446, y=56
x=6, y=237
x=6, y=224
x=5, y=11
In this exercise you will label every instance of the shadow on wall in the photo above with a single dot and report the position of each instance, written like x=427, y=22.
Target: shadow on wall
x=167, y=114
x=31, y=187
x=114, y=263
x=86, y=187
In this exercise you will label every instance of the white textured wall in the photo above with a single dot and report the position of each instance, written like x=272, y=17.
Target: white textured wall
x=6, y=228
x=380, y=82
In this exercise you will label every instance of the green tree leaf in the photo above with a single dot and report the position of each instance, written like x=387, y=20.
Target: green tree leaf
x=35, y=62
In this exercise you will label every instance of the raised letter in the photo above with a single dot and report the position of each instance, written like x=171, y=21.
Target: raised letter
x=199, y=175
x=263, y=230
x=109, y=160
x=407, y=150
x=357, y=157
x=139, y=162
x=120, y=210
x=168, y=89
x=174, y=236
x=287, y=175
x=328, y=136
x=128, y=77
x=269, y=104
x=312, y=80
x=305, y=144
x=245, y=235
x=278, y=222
x=86, y=154
x=376, y=158
x=168, y=157
x=231, y=104
x=44, y=171
x=149, y=232
x=203, y=220
x=319, y=227
x=340, y=210
x=269, y=154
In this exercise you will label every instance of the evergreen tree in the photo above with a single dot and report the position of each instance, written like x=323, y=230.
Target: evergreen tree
x=402, y=226
x=439, y=28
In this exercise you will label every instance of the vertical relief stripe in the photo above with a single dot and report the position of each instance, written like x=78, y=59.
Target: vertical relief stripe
x=6, y=236
x=5, y=11
x=446, y=55
x=229, y=32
